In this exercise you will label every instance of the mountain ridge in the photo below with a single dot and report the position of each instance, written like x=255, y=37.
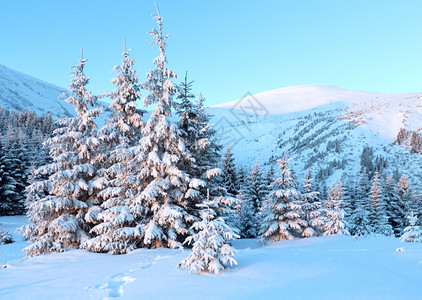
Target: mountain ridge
x=307, y=96
x=327, y=135
x=19, y=91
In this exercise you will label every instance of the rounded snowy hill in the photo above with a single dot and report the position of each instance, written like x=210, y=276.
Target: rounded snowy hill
x=20, y=92
x=304, y=97
x=381, y=113
x=324, y=128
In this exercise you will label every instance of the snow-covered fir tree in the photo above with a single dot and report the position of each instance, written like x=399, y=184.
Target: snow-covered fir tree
x=402, y=205
x=390, y=199
x=165, y=189
x=57, y=206
x=360, y=222
x=313, y=214
x=349, y=204
x=255, y=187
x=378, y=219
x=412, y=232
x=18, y=170
x=115, y=230
x=242, y=175
x=230, y=187
x=199, y=137
x=282, y=209
x=268, y=180
x=333, y=211
x=211, y=251
x=246, y=217
x=251, y=196
x=230, y=177
x=9, y=197
x=5, y=237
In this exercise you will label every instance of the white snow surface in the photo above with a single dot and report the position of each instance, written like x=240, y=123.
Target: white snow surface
x=334, y=267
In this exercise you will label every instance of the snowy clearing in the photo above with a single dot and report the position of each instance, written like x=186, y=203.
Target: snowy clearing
x=318, y=268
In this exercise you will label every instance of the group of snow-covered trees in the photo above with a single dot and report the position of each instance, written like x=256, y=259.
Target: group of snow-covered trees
x=274, y=205
x=379, y=205
x=21, y=137
x=370, y=204
x=138, y=181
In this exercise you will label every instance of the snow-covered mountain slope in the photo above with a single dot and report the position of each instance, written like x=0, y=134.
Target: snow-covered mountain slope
x=381, y=113
x=323, y=127
x=19, y=91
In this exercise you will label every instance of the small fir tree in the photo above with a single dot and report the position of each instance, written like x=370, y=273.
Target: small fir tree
x=333, y=210
x=412, y=233
x=211, y=251
x=5, y=237
x=282, y=210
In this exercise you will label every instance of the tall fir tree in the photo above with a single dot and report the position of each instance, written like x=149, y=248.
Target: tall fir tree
x=251, y=196
x=390, y=200
x=230, y=177
x=378, y=219
x=268, y=180
x=165, y=189
x=333, y=211
x=349, y=203
x=246, y=217
x=18, y=169
x=10, y=201
x=282, y=210
x=360, y=222
x=115, y=230
x=199, y=137
x=313, y=214
x=255, y=187
x=57, y=218
x=402, y=205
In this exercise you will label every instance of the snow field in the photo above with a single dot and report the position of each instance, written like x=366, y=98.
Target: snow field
x=333, y=267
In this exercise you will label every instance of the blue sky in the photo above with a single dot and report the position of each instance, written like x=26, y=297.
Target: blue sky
x=228, y=47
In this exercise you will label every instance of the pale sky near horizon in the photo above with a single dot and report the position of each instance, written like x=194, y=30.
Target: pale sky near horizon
x=229, y=47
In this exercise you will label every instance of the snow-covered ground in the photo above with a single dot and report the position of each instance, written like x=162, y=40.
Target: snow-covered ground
x=335, y=267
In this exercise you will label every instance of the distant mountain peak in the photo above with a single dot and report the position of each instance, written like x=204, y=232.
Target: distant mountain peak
x=307, y=96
